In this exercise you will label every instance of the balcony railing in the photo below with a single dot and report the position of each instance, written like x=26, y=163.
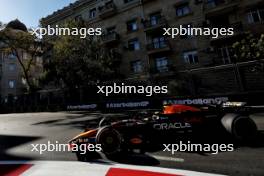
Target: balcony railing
x=107, y=10
x=238, y=27
x=110, y=37
x=155, y=23
x=162, y=70
x=159, y=46
x=219, y=4
x=145, y=1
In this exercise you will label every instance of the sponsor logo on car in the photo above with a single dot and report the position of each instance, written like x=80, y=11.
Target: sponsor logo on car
x=169, y=126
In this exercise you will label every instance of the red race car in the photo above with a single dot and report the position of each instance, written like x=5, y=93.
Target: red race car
x=144, y=130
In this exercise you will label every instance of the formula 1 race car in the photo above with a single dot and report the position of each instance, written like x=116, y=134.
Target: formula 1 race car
x=144, y=130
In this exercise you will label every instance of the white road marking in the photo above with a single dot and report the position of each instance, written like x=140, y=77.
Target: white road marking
x=13, y=162
x=164, y=158
x=54, y=168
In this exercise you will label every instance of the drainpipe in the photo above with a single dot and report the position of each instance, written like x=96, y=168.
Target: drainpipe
x=238, y=77
x=145, y=37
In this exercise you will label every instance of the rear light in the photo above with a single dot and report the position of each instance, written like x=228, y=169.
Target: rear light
x=136, y=141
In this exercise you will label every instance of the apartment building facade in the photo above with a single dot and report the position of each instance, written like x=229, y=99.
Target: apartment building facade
x=12, y=83
x=134, y=28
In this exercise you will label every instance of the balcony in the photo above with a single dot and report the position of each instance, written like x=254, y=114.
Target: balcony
x=164, y=71
x=158, y=47
x=216, y=7
x=158, y=23
x=145, y=1
x=107, y=10
x=159, y=70
x=255, y=28
x=110, y=38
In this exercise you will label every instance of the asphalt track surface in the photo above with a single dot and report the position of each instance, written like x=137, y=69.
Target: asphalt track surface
x=19, y=131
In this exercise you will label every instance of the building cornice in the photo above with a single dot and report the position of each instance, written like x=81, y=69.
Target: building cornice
x=64, y=12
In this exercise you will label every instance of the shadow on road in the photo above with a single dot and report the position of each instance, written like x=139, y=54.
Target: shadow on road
x=80, y=121
x=8, y=142
x=124, y=158
x=13, y=169
x=135, y=159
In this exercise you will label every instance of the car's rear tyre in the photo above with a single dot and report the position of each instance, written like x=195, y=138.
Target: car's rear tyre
x=80, y=157
x=242, y=128
x=110, y=140
x=87, y=156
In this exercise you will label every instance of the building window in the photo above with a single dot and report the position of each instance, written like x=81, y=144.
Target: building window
x=11, y=67
x=92, y=13
x=78, y=18
x=226, y=53
x=214, y=3
x=183, y=10
x=11, y=84
x=136, y=66
x=12, y=56
x=133, y=45
x=155, y=18
x=162, y=64
x=111, y=30
x=256, y=16
x=191, y=57
x=159, y=42
x=132, y=25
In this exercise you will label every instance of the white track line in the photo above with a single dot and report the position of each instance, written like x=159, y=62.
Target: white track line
x=164, y=158
x=55, y=168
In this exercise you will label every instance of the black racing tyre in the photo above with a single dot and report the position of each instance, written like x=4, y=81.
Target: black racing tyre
x=110, y=140
x=104, y=122
x=241, y=127
x=87, y=156
x=80, y=157
x=84, y=157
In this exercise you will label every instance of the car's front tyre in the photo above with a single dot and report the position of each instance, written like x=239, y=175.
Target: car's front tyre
x=110, y=140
